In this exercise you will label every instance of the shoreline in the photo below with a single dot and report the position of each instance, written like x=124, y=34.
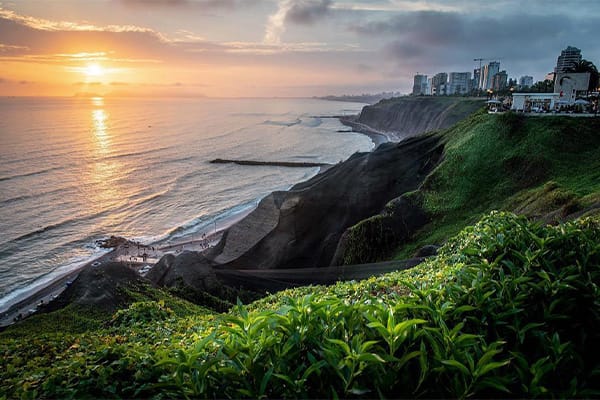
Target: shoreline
x=132, y=254
x=376, y=136
x=128, y=252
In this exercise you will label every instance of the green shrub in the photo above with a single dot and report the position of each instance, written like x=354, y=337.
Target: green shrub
x=507, y=308
x=144, y=311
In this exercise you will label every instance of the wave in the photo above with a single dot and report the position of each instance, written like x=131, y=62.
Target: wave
x=34, y=173
x=51, y=227
x=136, y=153
x=283, y=123
x=27, y=288
x=312, y=122
x=32, y=196
x=204, y=224
x=139, y=199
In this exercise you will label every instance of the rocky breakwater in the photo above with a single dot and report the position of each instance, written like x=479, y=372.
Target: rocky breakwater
x=403, y=117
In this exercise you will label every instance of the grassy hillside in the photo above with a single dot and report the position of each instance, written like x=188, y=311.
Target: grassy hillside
x=546, y=168
x=508, y=308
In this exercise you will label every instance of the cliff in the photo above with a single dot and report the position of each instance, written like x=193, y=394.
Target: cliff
x=301, y=227
x=408, y=116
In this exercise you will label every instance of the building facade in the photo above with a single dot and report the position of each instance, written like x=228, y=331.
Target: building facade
x=459, y=83
x=439, y=84
x=487, y=73
x=499, y=81
x=568, y=57
x=476, y=78
x=419, y=85
x=571, y=85
x=525, y=81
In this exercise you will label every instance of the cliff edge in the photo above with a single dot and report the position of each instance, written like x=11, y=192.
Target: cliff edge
x=403, y=117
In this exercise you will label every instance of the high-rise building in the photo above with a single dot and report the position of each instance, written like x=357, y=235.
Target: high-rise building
x=476, y=78
x=419, y=85
x=525, y=81
x=568, y=57
x=499, y=80
x=439, y=84
x=459, y=83
x=487, y=73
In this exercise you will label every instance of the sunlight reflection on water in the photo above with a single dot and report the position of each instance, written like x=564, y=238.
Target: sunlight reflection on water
x=104, y=190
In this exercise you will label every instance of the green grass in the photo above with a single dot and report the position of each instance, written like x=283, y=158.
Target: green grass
x=507, y=308
x=499, y=162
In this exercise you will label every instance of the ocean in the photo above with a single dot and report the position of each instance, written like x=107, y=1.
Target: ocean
x=77, y=170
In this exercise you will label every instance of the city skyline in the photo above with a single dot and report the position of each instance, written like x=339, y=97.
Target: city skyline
x=276, y=47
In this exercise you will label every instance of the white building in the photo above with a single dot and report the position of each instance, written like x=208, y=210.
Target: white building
x=534, y=102
x=570, y=85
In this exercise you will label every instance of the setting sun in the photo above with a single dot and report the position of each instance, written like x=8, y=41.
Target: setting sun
x=94, y=70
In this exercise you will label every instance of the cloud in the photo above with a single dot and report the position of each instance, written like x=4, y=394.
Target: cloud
x=48, y=25
x=307, y=11
x=88, y=84
x=304, y=12
x=38, y=40
x=434, y=40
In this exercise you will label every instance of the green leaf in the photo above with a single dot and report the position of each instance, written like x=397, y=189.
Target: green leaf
x=492, y=383
x=458, y=365
x=491, y=366
x=371, y=357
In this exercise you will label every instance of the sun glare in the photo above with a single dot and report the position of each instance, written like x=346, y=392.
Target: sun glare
x=94, y=70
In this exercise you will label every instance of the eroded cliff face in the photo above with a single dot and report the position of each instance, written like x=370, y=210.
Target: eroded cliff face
x=408, y=116
x=302, y=227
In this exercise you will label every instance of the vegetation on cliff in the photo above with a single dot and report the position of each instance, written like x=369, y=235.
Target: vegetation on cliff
x=508, y=308
x=547, y=168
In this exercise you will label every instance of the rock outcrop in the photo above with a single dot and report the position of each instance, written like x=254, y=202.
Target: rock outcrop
x=189, y=268
x=100, y=287
x=375, y=238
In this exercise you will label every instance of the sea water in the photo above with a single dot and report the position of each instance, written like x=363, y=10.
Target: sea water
x=77, y=170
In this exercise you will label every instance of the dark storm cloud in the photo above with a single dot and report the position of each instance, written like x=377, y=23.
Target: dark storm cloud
x=306, y=12
x=431, y=39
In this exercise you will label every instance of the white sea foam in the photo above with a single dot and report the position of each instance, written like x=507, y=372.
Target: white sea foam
x=24, y=292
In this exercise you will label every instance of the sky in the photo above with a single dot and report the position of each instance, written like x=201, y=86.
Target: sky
x=268, y=48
